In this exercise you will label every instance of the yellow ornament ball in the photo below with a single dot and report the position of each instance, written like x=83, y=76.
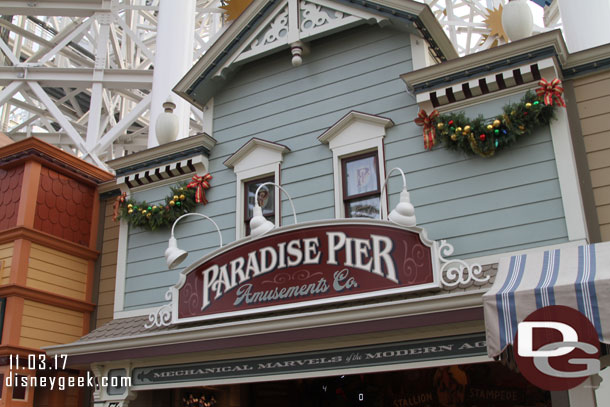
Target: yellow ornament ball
x=155, y=208
x=130, y=211
x=143, y=211
x=528, y=105
x=148, y=215
x=521, y=128
x=172, y=203
x=130, y=206
x=454, y=137
x=490, y=127
x=440, y=126
x=182, y=197
x=466, y=129
x=458, y=130
x=496, y=123
x=176, y=197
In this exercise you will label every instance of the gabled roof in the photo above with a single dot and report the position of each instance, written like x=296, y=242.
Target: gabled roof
x=267, y=26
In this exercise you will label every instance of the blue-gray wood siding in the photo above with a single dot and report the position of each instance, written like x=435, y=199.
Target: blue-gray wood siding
x=482, y=206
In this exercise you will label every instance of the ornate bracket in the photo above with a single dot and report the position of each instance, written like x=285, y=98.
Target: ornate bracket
x=454, y=272
x=163, y=315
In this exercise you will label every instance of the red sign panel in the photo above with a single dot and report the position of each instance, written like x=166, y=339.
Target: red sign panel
x=306, y=265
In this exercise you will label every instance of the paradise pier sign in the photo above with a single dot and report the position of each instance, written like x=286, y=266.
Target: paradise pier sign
x=305, y=265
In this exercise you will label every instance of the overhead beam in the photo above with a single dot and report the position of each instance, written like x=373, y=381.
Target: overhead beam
x=77, y=77
x=81, y=8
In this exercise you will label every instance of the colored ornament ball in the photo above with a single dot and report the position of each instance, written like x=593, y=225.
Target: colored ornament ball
x=454, y=137
x=182, y=197
x=467, y=129
x=528, y=105
x=172, y=203
x=496, y=123
x=490, y=127
x=440, y=126
x=482, y=137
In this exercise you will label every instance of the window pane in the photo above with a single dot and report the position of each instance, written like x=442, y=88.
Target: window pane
x=361, y=176
x=19, y=391
x=265, y=198
x=364, y=208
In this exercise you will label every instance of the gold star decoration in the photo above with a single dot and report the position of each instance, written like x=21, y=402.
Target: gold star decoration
x=235, y=8
x=494, y=24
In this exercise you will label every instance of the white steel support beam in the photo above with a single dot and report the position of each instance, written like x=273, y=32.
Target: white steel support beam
x=63, y=122
x=75, y=32
x=9, y=91
x=123, y=124
x=95, y=106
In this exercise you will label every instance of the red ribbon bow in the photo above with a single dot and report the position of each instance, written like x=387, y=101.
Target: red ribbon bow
x=201, y=183
x=117, y=204
x=550, y=90
x=429, y=130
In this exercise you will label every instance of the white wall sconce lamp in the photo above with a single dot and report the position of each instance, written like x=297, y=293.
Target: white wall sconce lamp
x=174, y=255
x=404, y=212
x=259, y=225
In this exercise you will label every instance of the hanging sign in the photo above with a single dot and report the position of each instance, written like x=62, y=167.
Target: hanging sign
x=306, y=265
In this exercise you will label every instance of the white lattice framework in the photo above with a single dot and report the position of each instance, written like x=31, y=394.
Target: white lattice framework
x=78, y=74
x=464, y=22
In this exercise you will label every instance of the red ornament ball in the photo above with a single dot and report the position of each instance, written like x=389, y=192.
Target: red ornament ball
x=450, y=122
x=482, y=137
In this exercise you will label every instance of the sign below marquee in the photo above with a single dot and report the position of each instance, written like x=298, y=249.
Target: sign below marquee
x=306, y=265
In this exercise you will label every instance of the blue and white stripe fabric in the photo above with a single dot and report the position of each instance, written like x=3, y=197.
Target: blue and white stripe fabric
x=577, y=277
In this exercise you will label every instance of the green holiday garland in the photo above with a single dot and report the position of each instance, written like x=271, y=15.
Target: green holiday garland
x=485, y=137
x=183, y=198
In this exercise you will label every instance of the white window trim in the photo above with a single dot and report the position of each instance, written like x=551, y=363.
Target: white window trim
x=356, y=133
x=255, y=159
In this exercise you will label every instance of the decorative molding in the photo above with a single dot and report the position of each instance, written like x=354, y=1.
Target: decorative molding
x=456, y=273
x=251, y=146
x=528, y=74
x=51, y=156
x=197, y=164
x=201, y=82
x=486, y=62
x=15, y=290
x=164, y=154
x=45, y=239
x=163, y=315
x=342, y=124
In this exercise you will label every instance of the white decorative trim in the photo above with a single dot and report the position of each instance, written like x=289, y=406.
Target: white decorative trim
x=571, y=196
x=162, y=316
x=295, y=20
x=356, y=133
x=208, y=117
x=445, y=94
x=197, y=164
x=255, y=159
x=134, y=312
x=456, y=273
x=121, y=262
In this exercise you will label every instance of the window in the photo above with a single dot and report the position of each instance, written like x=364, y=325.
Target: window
x=256, y=162
x=360, y=176
x=356, y=142
x=266, y=200
x=19, y=387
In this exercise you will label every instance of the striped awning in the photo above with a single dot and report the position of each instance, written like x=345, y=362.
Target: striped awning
x=577, y=277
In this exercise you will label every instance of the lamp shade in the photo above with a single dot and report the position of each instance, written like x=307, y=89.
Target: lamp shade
x=173, y=255
x=258, y=224
x=404, y=213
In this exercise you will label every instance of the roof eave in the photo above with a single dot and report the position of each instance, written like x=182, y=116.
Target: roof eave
x=470, y=62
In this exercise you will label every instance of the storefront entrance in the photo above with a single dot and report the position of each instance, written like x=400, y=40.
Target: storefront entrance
x=468, y=385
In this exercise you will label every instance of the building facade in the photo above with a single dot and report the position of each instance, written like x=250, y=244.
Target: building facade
x=325, y=99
